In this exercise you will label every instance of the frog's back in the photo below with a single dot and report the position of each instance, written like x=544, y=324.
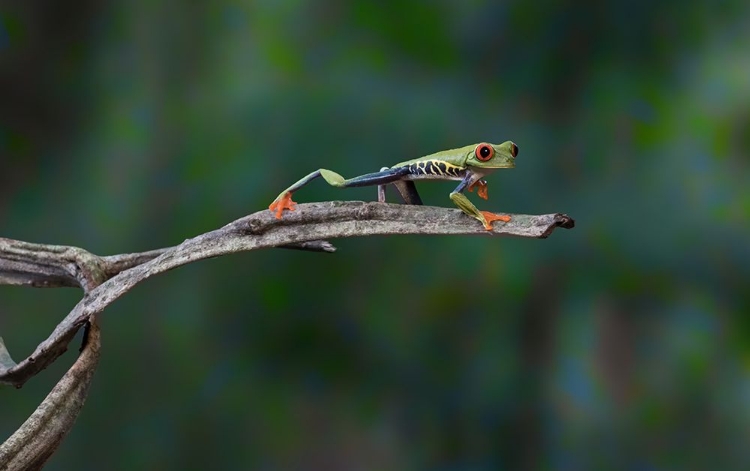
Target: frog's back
x=456, y=157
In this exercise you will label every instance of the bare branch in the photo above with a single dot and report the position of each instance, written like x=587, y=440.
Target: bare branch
x=311, y=222
x=56, y=266
x=114, y=264
x=41, y=265
x=38, y=438
x=47, y=266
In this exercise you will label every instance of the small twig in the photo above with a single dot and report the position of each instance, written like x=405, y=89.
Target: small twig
x=6, y=362
x=312, y=246
x=114, y=264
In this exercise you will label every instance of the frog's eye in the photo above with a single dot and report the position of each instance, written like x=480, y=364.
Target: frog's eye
x=513, y=150
x=484, y=152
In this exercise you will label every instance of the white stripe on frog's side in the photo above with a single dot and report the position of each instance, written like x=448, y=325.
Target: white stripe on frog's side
x=434, y=169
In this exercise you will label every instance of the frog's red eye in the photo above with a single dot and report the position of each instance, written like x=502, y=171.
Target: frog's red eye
x=513, y=150
x=484, y=152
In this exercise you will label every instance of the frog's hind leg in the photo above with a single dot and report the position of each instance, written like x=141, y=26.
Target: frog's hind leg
x=408, y=191
x=284, y=200
x=381, y=188
x=383, y=177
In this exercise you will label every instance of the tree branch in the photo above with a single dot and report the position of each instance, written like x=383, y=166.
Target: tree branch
x=311, y=222
x=41, y=265
x=38, y=438
x=104, y=279
x=55, y=266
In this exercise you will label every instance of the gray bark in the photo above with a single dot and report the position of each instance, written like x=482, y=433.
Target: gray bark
x=105, y=279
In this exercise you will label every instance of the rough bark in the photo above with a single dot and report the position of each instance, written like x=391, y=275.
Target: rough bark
x=105, y=279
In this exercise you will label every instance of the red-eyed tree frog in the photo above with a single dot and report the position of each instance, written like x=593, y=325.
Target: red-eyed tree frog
x=468, y=164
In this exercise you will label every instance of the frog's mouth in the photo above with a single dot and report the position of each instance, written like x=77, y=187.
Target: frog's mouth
x=508, y=164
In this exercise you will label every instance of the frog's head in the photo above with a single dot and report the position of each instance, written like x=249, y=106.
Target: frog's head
x=491, y=156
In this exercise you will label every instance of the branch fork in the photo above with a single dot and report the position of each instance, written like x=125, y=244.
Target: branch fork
x=105, y=279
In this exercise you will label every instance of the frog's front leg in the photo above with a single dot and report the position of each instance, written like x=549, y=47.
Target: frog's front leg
x=460, y=200
x=482, y=191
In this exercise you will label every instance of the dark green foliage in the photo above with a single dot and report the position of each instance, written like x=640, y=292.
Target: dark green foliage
x=625, y=343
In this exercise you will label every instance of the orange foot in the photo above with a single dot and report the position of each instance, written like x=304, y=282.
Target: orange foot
x=489, y=218
x=281, y=203
x=482, y=191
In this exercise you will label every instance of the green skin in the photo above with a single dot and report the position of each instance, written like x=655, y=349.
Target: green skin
x=469, y=165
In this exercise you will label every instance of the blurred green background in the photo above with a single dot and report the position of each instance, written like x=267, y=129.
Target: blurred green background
x=622, y=344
